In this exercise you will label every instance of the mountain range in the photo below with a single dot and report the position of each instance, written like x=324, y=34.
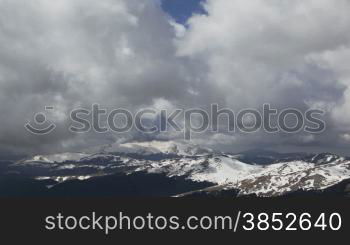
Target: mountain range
x=175, y=169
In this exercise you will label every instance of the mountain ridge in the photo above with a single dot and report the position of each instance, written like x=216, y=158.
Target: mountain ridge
x=250, y=173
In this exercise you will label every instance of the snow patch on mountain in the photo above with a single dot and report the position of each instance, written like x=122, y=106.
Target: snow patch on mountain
x=55, y=158
x=165, y=147
x=215, y=169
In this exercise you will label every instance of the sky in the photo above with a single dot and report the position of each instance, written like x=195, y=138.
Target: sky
x=173, y=54
x=182, y=10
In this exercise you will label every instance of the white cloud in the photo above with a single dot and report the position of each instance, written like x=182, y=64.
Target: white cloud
x=287, y=53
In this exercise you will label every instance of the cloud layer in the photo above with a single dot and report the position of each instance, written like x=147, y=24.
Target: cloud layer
x=129, y=53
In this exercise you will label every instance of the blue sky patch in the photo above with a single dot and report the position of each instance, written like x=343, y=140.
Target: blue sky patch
x=181, y=10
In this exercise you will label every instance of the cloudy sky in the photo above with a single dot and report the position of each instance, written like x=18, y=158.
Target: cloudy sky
x=150, y=53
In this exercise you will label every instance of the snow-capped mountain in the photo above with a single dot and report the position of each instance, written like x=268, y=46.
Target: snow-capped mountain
x=164, y=147
x=283, y=174
x=139, y=148
x=281, y=178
